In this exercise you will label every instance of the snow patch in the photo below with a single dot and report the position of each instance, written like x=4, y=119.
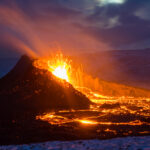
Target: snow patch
x=130, y=143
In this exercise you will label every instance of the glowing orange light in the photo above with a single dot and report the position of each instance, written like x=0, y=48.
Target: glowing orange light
x=88, y=122
x=60, y=67
x=61, y=72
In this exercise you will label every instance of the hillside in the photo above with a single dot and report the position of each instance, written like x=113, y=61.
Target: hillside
x=28, y=89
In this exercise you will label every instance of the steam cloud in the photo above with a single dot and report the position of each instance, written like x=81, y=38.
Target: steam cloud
x=44, y=29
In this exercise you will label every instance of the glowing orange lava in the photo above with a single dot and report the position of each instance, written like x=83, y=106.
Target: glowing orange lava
x=61, y=72
x=60, y=67
x=88, y=122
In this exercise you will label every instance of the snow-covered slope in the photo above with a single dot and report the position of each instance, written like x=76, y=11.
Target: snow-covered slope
x=129, y=143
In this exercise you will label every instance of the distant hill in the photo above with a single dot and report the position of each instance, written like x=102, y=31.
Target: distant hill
x=129, y=67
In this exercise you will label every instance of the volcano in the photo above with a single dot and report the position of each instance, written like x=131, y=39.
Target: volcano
x=29, y=89
x=31, y=99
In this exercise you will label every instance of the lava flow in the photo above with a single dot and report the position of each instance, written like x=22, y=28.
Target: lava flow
x=107, y=110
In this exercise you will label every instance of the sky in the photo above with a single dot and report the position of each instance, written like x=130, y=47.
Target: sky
x=38, y=27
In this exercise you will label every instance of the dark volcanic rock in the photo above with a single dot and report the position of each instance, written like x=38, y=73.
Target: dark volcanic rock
x=29, y=89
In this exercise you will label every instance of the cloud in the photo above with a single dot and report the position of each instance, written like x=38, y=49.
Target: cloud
x=39, y=26
x=143, y=12
x=106, y=2
x=118, y=26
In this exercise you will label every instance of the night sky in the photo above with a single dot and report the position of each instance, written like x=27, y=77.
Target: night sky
x=40, y=26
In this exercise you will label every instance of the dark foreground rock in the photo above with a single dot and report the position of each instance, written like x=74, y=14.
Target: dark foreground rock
x=33, y=131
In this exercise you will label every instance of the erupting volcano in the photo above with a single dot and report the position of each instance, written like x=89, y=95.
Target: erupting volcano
x=55, y=96
x=74, y=70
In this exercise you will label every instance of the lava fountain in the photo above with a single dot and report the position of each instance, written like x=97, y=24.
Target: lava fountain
x=64, y=69
x=60, y=67
x=57, y=64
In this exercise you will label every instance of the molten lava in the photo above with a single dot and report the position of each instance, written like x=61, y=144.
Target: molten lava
x=108, y=110
x=88, y=122
x=60, y=66
x=61, y=72
x=57, y=64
